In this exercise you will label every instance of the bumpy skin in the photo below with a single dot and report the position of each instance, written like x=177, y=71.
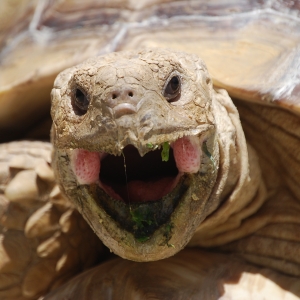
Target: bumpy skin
x=43, y=239
x=237, y=213
x=232, y=213
x=228, y=173
x=154, y=122
x=192, y=274
x=275, y=134
x=237, y=39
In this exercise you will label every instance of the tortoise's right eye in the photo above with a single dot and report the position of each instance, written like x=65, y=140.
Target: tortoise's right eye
x=80, y=101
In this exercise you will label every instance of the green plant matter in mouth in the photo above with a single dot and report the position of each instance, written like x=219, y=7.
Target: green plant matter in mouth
x=139, y=218
x=143, y=239
x=165, y=151
x=142, y=219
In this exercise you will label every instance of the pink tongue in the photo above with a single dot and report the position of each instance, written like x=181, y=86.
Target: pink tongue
x=85, y=165
x=140, y=191
x=187, y=154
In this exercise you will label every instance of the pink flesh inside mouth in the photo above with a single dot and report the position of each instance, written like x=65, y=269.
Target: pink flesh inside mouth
x=132, y=178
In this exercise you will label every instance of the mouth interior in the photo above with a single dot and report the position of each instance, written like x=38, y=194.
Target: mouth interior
x=132, y=178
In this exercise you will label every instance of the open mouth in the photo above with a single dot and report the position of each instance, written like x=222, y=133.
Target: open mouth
x=133, y=179
x=140, y=193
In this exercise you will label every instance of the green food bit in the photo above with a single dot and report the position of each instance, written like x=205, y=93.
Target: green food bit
x=165, y=151
x=149, y=145
x=143, y=239
x=138, y=218
x=141, y=221
x=169, y=228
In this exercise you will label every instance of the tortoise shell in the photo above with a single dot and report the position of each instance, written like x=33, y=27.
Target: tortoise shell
x=251, y=49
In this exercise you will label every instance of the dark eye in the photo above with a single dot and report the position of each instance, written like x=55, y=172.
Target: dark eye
x=172, y=89
x=80, y=101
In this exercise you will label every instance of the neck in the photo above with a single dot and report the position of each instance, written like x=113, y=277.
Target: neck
x=239, y=190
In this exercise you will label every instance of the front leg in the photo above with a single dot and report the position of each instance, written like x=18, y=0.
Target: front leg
x=43, y=239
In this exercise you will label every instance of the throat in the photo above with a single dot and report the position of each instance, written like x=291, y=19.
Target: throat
x=141, y=191
x=132, y=178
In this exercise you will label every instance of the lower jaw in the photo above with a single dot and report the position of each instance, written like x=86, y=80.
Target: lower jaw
x=134, y=231
x=141, y=219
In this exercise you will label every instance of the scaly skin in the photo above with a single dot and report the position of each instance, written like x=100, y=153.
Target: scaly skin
x=108, y=126
x=224, y=205
x=43, y=239
x=193, y=274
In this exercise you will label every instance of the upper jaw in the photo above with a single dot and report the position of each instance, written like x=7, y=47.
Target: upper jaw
x=153, y=121
x=114, y=141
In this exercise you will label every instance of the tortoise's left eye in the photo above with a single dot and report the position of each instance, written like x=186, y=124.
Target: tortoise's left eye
x=172, y=89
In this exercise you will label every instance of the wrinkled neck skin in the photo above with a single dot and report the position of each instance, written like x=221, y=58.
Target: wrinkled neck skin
x=108, y=158
x=239, y=190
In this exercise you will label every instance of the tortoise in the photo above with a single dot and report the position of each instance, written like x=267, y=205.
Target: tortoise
x=150, y=149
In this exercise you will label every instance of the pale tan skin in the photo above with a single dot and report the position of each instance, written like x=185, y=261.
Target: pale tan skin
x=253, y=41
x=43, y=240
x=208, y=270
x=251, y=49
x=200, y=111
x=223, y=224
x=238, y=186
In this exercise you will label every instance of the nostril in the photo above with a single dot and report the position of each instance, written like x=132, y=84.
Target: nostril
x=114, y=96
x=130, y=94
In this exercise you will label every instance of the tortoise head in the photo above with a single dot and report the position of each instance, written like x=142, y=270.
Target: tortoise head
x=135, y=148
